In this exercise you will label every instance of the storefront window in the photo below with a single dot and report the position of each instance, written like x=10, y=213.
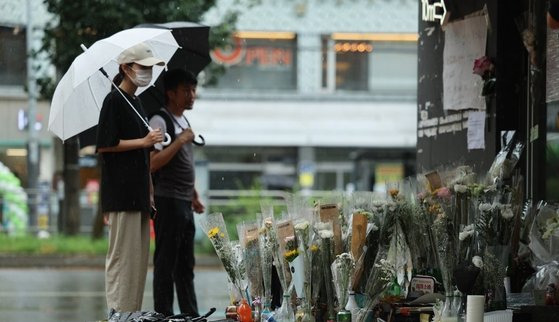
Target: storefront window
x=393, y=68
x=352, y=64
x=12, y=56
x=269, y=64
x=384, y=67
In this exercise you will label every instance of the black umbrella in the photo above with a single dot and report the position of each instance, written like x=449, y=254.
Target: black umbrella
x=193, y=56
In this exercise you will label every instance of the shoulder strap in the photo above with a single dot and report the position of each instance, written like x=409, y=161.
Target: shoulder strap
x=168, y=122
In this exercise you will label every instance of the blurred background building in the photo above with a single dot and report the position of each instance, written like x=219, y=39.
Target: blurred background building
x=316, y=95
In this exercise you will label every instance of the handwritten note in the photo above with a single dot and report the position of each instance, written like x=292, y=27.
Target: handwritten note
x=476, y=130
x=464, y=42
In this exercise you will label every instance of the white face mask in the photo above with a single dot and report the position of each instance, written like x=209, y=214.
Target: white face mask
x=142, y=77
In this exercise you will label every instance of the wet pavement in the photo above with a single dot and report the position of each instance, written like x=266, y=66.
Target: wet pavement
x=45, y=295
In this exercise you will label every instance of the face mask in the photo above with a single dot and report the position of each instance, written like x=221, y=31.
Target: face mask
x=142, y=78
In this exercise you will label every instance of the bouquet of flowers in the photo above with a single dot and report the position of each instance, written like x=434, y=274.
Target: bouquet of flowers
x=303, y=234
x=506, y=160
x=268, y=247
x=214, y=227
x=317, y=277
x=380, y=278
x=285, y=235
x=241, y=266
x=359, y=210
x=249, y=237
x=342, y=270
x=485, y=68
x=326, y=233
x=329, y=210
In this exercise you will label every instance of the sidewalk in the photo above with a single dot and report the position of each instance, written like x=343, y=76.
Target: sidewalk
x=60, y=261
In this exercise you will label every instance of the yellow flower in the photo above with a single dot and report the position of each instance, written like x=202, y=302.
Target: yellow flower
x=314, y=248
x=290, y=255
x=213, y=232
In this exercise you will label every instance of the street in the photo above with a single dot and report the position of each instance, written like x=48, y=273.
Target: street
x=45, y=295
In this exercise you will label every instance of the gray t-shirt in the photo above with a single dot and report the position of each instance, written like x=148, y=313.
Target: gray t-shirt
x=176, y=178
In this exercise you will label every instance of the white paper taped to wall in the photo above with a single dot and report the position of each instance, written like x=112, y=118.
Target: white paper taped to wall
x=465, y=41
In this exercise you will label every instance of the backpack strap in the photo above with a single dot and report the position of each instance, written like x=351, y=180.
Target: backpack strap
x=168, y=122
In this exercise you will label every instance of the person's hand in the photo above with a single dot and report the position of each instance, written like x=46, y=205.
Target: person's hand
x=106, y=219
x=198, y=206
x=186, y=136
x=153, y=137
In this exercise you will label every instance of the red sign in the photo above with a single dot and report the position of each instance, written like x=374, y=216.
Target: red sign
x=261, y=55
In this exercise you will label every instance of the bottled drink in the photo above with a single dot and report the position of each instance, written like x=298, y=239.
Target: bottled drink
x=266, y=313
x=244, y=311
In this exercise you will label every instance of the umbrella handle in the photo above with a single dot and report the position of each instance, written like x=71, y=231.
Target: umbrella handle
x=167, y=140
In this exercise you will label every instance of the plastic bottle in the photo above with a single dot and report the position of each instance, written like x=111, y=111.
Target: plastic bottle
x=244, y=311
x=352, y=306
x=266, y=313
x=285, y=312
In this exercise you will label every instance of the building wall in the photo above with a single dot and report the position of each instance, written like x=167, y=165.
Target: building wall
x=358, y=123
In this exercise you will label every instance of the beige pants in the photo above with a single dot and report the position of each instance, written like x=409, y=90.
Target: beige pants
x=127, y=260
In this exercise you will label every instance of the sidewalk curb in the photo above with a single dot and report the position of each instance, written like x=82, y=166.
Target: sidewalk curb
x=60, y=261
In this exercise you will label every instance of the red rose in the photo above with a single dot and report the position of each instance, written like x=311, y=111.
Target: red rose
x=483, y=66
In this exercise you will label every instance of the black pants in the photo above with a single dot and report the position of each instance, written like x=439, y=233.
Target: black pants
x=173, y=261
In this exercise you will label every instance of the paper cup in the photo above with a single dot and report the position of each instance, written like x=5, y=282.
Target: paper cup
x=475, y=308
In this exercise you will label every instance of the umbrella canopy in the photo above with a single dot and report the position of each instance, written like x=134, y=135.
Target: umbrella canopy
x=193, y=55
x=79, y=95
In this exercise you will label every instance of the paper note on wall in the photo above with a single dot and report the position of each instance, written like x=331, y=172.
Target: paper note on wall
x=464, y=43
x=476, y=130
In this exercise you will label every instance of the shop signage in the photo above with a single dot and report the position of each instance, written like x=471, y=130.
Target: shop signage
x=433, y=12
x=260, y=56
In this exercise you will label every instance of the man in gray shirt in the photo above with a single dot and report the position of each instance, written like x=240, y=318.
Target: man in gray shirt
x=175, y=198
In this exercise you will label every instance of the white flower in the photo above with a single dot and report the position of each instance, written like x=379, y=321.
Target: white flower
x=485, y=207
x=477, y=261
x=379, y=203
x=497, y=205
x=322, y=225
x=460, y=188
x=466, y=232
x=326, y=233
x=507, y=212
x=302, y=225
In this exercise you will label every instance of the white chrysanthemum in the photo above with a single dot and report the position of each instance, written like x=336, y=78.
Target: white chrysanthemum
x=465, y=234
x=302, y=225
x=379, y=203
x=326, y=234
x=485, y=207
x=322, y=226
x=460, y=188
x=477, y=261
x=507, y=212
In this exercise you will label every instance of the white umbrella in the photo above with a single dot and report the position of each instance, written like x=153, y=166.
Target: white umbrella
x=79, y=95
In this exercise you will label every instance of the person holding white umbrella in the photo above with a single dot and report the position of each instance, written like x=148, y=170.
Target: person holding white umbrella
x=124, y=144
